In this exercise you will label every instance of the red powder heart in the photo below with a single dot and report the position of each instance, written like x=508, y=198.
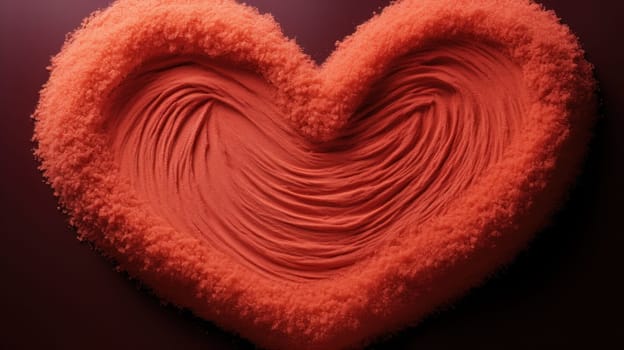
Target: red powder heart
x=305, y=206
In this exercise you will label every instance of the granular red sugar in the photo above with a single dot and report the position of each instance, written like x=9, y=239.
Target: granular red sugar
x=306, y=206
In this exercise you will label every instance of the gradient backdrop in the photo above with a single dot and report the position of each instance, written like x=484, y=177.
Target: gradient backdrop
x=55, y=293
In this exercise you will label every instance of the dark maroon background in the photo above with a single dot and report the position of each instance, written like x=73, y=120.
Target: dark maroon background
x=56, y=293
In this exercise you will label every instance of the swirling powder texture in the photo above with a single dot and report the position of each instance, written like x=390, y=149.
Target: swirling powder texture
x=208, y=149
x=307, y=206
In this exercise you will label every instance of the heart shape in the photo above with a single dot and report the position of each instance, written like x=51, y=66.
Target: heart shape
x=307, y=206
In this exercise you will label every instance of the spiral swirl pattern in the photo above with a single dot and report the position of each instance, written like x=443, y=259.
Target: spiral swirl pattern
x=204, y=144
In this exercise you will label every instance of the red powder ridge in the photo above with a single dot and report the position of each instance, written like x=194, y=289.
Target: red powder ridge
x=291, y=203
